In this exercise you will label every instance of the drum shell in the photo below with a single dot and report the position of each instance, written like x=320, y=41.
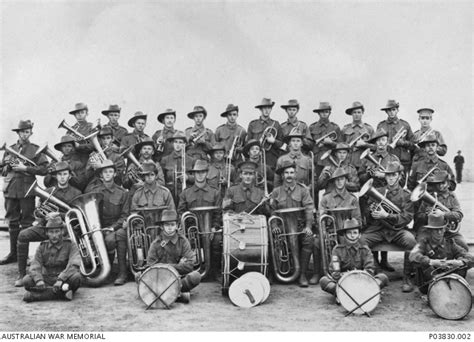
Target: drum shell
x=158, y=279
x=361, y=286
x=453, y=301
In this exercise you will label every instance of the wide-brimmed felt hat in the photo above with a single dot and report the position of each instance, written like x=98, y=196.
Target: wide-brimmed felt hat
x=341, y=146
x=230, y=108
x=148, y=167
x=200, y=165
x=425, y=109
x=291, y=103
x=266, y=102
x=23, y=124
x=438, y=177
x=145, y=142
x=435, y=222
x=67, y=139
x=392, y=167
x=295, y=133
x=78, y=107
x=217, y=147
x=285, y=165
x=112, y=109
x=168, y=111
x=322, y=107
x=355, y=105
x=390, y=104
x=168, y=216
x=54, y=223
x=339, y=172
x=106, y=164
x=378, y=133
x=247, y=165
x=429, y=139
x=60, y=166
x=348, y=224
x=249, y=144
x=135, y=117
x=105, y=130
x=197, y=110
x=177, y=135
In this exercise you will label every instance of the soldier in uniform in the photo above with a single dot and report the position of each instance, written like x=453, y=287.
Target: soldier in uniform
x=82, y=126
x=172, y=247
x=200, y=139
x=350, y=255
x=138, y=123
x=273, y=142
x=392, y=125
x=435, y=253
x=304, y=175
x=54, y=271
x=113, y=214
x=340, y=155
x=228, y=132
x=201, y=194
x=321, y=128
x=18, y=178
x=164, y=147
x=425, y=116
x=64, y=192
x=218, y=175
x=113, y=114
x=246, y=196
x=458, y=163
x=253, y=152
x=359, y=130
x=292, y=108
x=383, y=226
x=439, y=189
x=296, y=195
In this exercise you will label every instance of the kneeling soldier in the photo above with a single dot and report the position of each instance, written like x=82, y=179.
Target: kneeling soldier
x=350, y=255
x=54, y=272
x=171, y=247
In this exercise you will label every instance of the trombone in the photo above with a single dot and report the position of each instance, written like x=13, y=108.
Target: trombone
x=402, y=132
x=180, y=174
x=270, y=130
x=331, y=135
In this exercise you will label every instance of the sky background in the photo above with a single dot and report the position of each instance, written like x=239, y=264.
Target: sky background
x=150, y=56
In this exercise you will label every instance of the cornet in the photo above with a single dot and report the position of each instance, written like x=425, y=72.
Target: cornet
x=402, y=132
x=331, y=135
x=270, y=130
x=17, y=157
x=160, y=144
x=326, y=155
x=78, y=136
x=369, y=156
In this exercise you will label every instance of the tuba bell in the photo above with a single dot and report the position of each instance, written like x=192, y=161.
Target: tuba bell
x=284, y=246
x=83, y=226
x=46, y=150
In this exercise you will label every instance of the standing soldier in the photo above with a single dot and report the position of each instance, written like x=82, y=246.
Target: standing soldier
x=267, y=131
x=54, y=272
x=425, y=116
x=200, y=139
x=82, y=126
x=19, y=175
x=163, y=146
x=138, y=123
x=357, y=133
x=113, y=114
x=292, y=108
x=327, y=129
x=459, y=163
x=63, y=191
x=220, y=171
x=253, y=152
x=395, y=126
x=230, y=131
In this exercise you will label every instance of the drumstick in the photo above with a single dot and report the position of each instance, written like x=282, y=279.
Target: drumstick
x=347, y=293
x=360, y=306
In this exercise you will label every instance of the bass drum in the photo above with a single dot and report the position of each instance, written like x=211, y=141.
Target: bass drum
x=355, y=288
x=159, y=286
x=450, y=297
x=245, y=247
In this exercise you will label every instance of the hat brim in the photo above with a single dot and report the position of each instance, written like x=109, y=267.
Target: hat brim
x=58, y=146
x=161, y=116
x=265, y=105
x=135, y=118
x=349, y=110
x=98, y=170
x=289, y=106
x=287, y=138
x=318, y=110
x=191, y=114
x=374, y=139
x=194, y=170
x=63, y=169
x=171, y=139
x=78, y=110
x=338, y=176
x=435, y=227
x=53, y=227
x=247, y=147
x=224, y=114
x=423, y=143
x=106, y=112
x=386, y=108
x=139, y=146
x=21, y=129
x=280, y=170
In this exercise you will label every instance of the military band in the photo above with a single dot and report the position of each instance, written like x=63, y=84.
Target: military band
x=368, y=186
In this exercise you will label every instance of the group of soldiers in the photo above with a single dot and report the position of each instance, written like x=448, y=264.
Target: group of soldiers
x=260, y=170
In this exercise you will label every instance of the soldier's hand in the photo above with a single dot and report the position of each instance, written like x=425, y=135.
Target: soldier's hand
x=308, y=231
x=436, y=263
x=379, y=174
x=336, y=275
x=211, y=236
x=438, y=212
x=19, y=167
x=40, y=285
x=57, y=285
x=360, y=143
x=276, y=230
x=226, y=202
x=327, y=141
x=270, y=139
x=455, y=263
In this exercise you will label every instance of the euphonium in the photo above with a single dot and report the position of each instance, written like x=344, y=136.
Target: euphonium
x=78, y=136
x=327, y=239
x=331, y=135
x=99, y=152
x=380, y=200
x=83, y=225
x=132, y=171
x=400, y=134
x=50, y=203
x=139, y=239
x=369, y=156
x=270, y=130
x=16, y=156
x=190, y=227
x=284, y=246
x=326, y=155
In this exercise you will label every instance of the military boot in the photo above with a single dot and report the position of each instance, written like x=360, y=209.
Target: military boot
x=384, y=262
x=122, y=263
x=12, y=256
x=407, y=269
x=317, y=268
x=47, y=294
x=184, y=297
x=304, y=261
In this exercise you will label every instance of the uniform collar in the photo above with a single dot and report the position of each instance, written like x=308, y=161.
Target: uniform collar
x=177, y=155
x=357, y=124
x=339, y=193
x=269, y=120
x=395, y=190
x=204, y=188
x=140, y=134
x=151, y=188
x=433, y=159
x=20, y=145
x=168, y=130
x=246, y=187
x=293, y=123
x=167, y=239
x=290, y=187
x=58, y=246
x=295, y=154
x=381, y=154
x=231, y=126
x=324, y=122
x=109, y=188
x=393, y=121
x=198, y=129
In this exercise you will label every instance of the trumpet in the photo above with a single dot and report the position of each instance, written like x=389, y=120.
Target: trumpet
x=402, y=132
x=270, y=130
x=77, y=136
x=326, y=155
x=331, y=135
x=361, y=136
x=381, y=201
x=17, y=157
x=425, y=135
x=369, y=156
x=50, y=203
x=430, y=171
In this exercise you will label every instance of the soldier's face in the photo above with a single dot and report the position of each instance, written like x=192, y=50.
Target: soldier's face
x=140, y=125
x=289, y=174
x=113, y=117
x=381, y=143
x=324, y=114
x=442, y=187
x=106, y=140
x=430, y=148
x=254, y=151
x=437, y=234
x=296, y=143
x=357, y=114
x=341, y=155
x=232, y=117
x=170, y=227
x=108, y=174
x=352, y=234
x=392, y=112
x=150, y=178
x=63, y=177
x=147, y=151
x=247, y=177
x=340, y=182
x=81, y=115
x=425, y=120
x=198, y=119
x=291, y=111
x=392, y=178
x=54, y=235
x=265, y=111
x=25, y=134
x=200, y=176
x=218, y=155
x=67, y=148
x=178, y=144
x=169, y=120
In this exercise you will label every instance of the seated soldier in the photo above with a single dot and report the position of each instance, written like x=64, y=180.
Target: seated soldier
x=173, y=248
x=350, y=255
x=253, y=151
x=434, y=254
x=54, y=272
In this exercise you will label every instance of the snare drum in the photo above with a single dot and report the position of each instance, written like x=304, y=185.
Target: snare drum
x=245, y=246
x=358, y=291
x=450, y=297
x=159, y=286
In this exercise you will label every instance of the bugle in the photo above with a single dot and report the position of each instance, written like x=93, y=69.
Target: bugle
x=369, y=156
x=328, y=154
x=17, y=157
x=401, y=133
x=331, y=135
x=356, y=139
x=430, y=171
x=77, y=136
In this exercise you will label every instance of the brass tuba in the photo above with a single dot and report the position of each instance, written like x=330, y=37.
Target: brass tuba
x=50, y=203
x=77, y=136
x=284, y=246
x=83, y=225
x=17, y=157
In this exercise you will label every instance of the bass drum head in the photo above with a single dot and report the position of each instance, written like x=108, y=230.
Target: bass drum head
x=263, y=281
x=450, y=297
x=361, y=286
x=159, y=286
x=246, y=293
